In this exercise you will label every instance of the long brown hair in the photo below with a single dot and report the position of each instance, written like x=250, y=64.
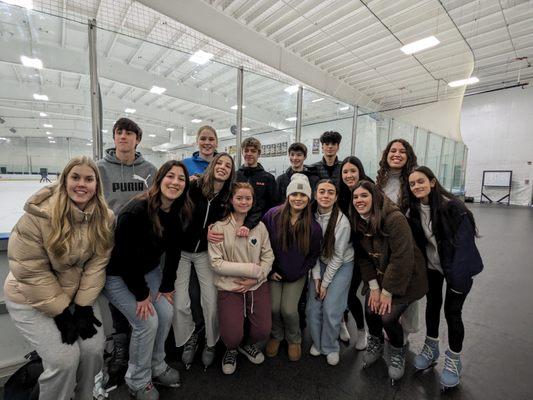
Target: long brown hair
x=299, y=233
x=99, y=232
x=182, y=204
x=374, y=226
x=208, y=178
x=328, y=247
x=384, y=172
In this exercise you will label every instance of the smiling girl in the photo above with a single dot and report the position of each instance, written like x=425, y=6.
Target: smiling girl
x=445, y=230
x=328, y=290
x=207, y=142
x=148, y=226
x=241, y=265
x=57, y=254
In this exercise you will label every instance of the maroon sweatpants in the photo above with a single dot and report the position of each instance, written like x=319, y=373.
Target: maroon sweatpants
x=231, y=315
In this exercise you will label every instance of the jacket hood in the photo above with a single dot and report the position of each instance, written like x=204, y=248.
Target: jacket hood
x=308, y=170
x=111, y=156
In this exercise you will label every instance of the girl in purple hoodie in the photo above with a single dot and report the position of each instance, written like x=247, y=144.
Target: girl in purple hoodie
x=296, y=240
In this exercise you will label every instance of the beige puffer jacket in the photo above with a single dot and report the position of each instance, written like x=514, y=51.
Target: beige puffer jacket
x=40, y=279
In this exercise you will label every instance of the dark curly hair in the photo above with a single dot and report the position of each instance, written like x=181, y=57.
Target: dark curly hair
x=384, y=172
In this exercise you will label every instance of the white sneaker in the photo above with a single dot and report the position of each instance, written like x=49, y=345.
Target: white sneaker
x=344, y=335
x=333, y=358
x=360, y=344
x=314, y=351
x=229, y=362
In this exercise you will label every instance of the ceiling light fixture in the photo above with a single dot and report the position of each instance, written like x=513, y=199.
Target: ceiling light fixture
x=235, y=107
x=42, y=97
x=104, y=130
x=345, y=108
x=291, y=89
x=31, y=62
x=52, y=141
x=464, y=82
x=48, y=125
x=130, y=110
x=290, y=119
x=201, y=57
x=197, y=121
x=21, y=3
x=317, y=100
x=170, y=129
x=89, y=144
x=245, y=128
x=419, y=45
x=48, y=132
x=43, y=114
x=152, y=135
x=158, y=90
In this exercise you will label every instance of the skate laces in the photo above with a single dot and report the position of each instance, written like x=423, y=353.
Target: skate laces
x=373, y=344
x=230, y=357
x=452, y=365
x=427, y=352
x=396, y=358
x=120, y=353
x=252, y=350
x=191, y=343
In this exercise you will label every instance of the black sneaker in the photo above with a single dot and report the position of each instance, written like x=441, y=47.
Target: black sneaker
x=252, y=353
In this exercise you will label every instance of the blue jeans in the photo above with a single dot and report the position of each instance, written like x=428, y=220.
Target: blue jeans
x=147, y=345
x=324, y=317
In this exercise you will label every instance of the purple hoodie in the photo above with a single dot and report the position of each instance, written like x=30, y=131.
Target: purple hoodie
x=292, y=264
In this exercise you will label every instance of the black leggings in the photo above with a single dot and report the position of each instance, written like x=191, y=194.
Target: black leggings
x=453, y=307
x=354, y=304
x=390, y=322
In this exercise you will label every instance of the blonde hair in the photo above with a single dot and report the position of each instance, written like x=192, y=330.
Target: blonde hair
x=206, y=128
x=99, y=233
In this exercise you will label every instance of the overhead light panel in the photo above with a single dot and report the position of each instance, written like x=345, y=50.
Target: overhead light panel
x=345, y=108
x=130, y=110
x=48, y=125
x=31, y=62
x=50, y=138
x=245, y=128
x=419, y=45
x=48, y=132
x=464, y=82
x=170, y=129
x=291, y=89
x=21, y=3
x=290, y=119
x=52, y=141
x=43, y=114
x=201, y=57
x=158, y=90
x=42, y=97
x=104, y=130
x=197, y=121
x=317, y=100
x=235, y=107
x=89, y=144
x=152, y=135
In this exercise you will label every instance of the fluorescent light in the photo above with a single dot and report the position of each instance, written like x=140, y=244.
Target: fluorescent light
x=197, y=121
x=152, y=135
x=200, y=57
x=317, y=100
x=38, y=96
x=21, y=3
x=290, y=119
x=345, y=108
x=130, y=110
x=420, y=45
x=48, y=132
x=245, y=128
x=170, y=129
x=104, y=130
x=50, y=138
x=463, y=82
x=48, y=125
x=235, y=107
x=291, y=89
x=43, y=114
x=52, y=141
x=158, y=90
x=31, y=62
x=89, y=144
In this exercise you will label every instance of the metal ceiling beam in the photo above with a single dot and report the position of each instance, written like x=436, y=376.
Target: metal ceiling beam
x=208, y=20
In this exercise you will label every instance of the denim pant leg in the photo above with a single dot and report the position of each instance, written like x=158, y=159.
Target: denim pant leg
x=313, y=312
x=164, y=311
x=142, y=336
x=333, y=308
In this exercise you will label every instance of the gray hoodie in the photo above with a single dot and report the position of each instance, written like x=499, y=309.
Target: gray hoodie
x=121, y=182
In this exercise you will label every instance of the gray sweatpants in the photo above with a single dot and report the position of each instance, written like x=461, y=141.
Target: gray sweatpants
x=69, y=370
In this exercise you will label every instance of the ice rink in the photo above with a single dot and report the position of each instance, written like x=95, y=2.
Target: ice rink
x=13, y=195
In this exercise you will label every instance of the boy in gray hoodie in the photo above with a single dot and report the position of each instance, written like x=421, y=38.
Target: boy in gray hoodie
x=125, y=173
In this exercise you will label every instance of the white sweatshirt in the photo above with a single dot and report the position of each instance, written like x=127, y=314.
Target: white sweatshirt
x=343, y=251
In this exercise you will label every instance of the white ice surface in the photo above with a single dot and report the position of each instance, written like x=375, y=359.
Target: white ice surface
x=13, y=195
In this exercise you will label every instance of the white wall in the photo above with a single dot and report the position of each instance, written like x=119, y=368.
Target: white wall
x=497, y=127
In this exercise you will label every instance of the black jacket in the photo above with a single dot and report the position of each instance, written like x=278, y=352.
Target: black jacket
x=265, y=192
x=459, y=257
x=321, y=169
x=138, y=248
x=284, y=179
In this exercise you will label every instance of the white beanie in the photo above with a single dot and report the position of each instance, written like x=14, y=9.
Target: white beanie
x=299, y=184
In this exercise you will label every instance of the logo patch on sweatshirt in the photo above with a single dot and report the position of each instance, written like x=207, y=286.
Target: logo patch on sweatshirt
x=253, y=241
x=260, y=183
x=140, y=178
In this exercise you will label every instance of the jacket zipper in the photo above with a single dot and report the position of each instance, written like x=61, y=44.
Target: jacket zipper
x=205, y=222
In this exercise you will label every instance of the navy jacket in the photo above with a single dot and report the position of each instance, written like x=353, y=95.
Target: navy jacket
x=459, y=256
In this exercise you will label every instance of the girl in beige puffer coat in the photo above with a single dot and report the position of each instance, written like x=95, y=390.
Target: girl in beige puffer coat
x=57, y=254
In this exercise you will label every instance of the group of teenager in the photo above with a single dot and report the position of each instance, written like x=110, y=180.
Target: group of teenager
x=258, y=246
